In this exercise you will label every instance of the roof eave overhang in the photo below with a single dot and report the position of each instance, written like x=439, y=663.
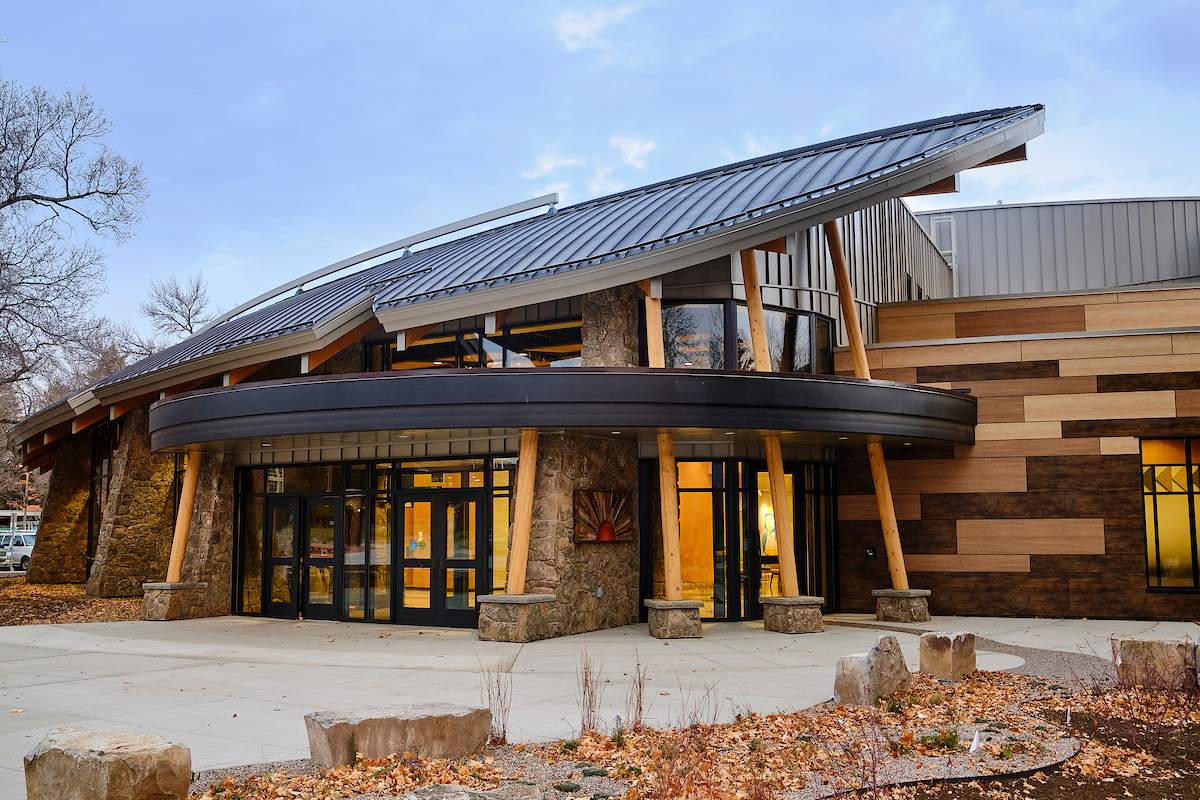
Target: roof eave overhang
x=700, y=249
x=321, y=334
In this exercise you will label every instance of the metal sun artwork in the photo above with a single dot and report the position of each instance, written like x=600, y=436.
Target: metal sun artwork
x=603, y=516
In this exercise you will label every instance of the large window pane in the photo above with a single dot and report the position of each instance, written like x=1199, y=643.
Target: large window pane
x=354, y=558
x=381, y=560
x=437, y=351
x=1169, y=484
x=545, y=344
x=771, y=580
x=251, y=529
x=694, y=336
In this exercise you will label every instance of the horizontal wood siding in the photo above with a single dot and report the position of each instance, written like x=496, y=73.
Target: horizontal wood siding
x=1043, y=516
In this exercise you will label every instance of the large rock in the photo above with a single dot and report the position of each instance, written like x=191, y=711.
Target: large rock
x=76, y=764
x=863, y=678
x=512, y=791
x=949, y=656
x=1159, y=663
x=436, y=730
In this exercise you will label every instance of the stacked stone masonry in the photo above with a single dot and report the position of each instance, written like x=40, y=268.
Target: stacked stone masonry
x=60, y=553
x=136, y=530
x=209, y=556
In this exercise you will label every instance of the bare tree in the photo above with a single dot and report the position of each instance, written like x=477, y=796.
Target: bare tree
x=56, y=175
x=177, y=309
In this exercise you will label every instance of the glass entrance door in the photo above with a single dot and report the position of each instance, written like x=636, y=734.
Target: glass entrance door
x=281, y=559
x=320, y=585
x=440, y=548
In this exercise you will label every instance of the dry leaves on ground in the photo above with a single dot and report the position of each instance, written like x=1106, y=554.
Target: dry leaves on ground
x=51, y=604
x=396, y=774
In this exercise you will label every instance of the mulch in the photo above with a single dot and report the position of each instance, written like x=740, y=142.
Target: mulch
x=24, y=603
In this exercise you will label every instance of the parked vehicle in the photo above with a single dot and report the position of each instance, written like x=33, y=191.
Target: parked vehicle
x=15, y=551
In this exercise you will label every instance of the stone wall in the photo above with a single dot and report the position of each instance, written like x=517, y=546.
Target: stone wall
x=60, y=553
x=136, y=531
x=349, y=360
x=209, y=556
x=611, y=327
x=573, y=572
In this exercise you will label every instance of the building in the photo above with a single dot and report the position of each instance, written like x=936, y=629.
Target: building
x=498, y=414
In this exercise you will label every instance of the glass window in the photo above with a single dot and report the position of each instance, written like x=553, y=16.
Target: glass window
x=354, y=558
x=1170, y=489
x=788, y=341
x=304, y=480
x=545, y=344
x=694, y=336
x=437, y=351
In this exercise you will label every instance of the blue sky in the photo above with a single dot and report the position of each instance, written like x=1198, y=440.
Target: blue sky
x=278, y=137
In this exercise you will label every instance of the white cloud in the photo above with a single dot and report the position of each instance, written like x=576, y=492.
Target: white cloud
x=633, y=150
x=601, y=184
x=548, y=162
x=579, y=29
x=828, y=129
x=759, y=147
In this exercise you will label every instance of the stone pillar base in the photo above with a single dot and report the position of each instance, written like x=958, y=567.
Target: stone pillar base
x=162, y=601
x=675, y=619
x=793, y=614
x=901, y=605
x=514, y=617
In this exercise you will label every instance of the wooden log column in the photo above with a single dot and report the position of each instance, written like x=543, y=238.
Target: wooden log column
x=183, y=520
x=858, y=351
x=518, y=556
x=668, y=487
x=784, y=537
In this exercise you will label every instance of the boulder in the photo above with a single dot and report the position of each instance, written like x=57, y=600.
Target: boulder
x=949, y=656
x=863, y=678
x=511, y=791
x=435, y=730
x=76, y=764
x=1158, y=663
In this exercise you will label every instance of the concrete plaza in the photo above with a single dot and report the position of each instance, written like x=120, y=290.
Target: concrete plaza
x=235, y=689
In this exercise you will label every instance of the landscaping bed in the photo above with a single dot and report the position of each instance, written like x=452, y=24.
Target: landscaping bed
x=23, y=603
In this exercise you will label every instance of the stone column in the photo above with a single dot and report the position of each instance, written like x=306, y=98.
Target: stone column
x=610, y=327
x=209, y=557
x=134, y=545
x=60, y=552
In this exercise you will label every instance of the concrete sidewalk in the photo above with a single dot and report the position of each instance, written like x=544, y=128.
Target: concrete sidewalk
x=235, y=689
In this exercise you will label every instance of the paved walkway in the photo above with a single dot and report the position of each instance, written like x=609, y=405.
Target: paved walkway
x=235, y=689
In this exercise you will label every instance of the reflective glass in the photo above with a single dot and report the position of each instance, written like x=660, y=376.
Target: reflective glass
x=545, y=344
x=501, y=521
x=381, y=560
x=320, y=530
x=282, y=531
x=418, y=527
x=771, y=582
x=320, y=585
x=438, y=351
x=460, y=588
x=1174, y=541
x=251, y=530
x=281, y=583
x=416, y=587
x=354, y=556
x=460, y=529
x=694, y=336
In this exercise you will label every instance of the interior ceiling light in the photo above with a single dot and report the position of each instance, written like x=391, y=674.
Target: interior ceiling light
x=266, y=444
x=615, y=433
x=729, y=433
x=843, y=438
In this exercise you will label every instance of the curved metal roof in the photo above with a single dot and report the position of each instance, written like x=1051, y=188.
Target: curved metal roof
x=652, y=230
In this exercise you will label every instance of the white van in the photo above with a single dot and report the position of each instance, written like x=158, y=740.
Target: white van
x=15, y=550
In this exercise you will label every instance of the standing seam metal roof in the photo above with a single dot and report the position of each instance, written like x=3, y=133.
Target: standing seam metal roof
x=598, y=230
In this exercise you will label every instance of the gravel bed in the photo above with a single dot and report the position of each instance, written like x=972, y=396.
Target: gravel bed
x=205, y=778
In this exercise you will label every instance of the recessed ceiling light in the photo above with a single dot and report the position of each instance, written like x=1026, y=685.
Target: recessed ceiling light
x=843, y=438
x=729, y=433
x=266, y=444
x=908, y=444
x=687, y=363
x=615, y=433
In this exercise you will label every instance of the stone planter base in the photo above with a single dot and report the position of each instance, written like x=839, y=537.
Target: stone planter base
x=163, y=601
x=514, y=617
x=675, y=619
x=793, y=614
x=901, y=605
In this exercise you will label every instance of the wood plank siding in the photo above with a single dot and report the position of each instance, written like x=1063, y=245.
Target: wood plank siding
x=1044, y=514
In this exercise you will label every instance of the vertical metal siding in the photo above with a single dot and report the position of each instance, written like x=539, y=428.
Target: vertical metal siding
x=1074, y=246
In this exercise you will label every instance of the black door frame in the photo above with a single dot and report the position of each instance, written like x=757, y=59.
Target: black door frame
x=314, y=611
x=289, y=609
x=437, y=562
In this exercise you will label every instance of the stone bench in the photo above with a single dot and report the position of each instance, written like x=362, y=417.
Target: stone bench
x=863, y=678
x=901, y=605
x=76, y=764
x=949, y=656
x=514, y=617
x=675, y=619
x=1159, y=663
x=435, y=730
x=793, y=614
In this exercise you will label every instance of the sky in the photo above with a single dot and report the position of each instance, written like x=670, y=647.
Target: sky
x=279, y=137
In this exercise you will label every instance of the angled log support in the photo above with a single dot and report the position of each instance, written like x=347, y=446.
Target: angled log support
x=784, y=536
x=183, y=520
x=518, y=556
x=858, y=351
